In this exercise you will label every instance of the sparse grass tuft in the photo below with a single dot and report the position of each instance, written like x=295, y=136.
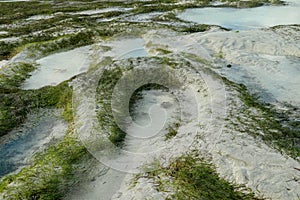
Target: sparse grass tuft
x=195, y=28
x=163, y=51
x=172, y=131
x=219, y=54
x=13, y=75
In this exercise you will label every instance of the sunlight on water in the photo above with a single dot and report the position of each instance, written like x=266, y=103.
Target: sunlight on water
x=243, y=19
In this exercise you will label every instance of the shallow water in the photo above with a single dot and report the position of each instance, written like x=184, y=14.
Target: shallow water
x=127, y=48
x=276, y=81
x=141, y=52
x=99, y=11
x=21, y=144
x=58, y=67
x=244, y=19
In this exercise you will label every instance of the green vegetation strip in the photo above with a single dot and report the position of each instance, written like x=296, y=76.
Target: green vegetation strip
x=13, y=75
x=190, y=177
x=16, y=104
x=104, y=94
x=285, y=138
x=42, y=45
x=50, y=175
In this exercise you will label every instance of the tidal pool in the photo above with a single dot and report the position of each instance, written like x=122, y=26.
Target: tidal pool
x=58, y=67
x=244, y=19
x=17, y=147
x=127, y=48
x=277, y=80
x=141, y=52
